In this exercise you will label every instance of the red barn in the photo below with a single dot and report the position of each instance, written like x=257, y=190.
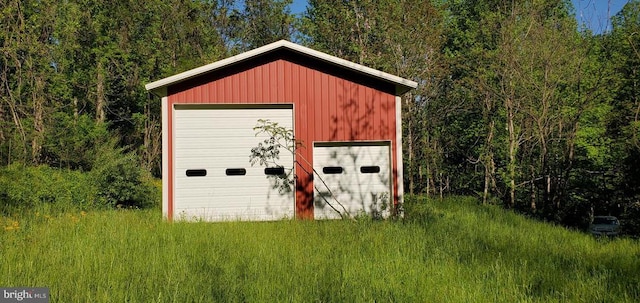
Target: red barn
x=347, y=117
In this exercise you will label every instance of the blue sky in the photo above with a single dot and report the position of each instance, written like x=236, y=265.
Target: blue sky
x=595, y=14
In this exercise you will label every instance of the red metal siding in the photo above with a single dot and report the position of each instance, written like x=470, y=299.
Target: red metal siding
x=326, y=108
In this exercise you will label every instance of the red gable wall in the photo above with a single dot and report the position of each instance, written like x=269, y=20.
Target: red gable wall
x=327, y=107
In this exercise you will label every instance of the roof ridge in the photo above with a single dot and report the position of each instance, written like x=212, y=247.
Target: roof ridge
x=402, y=85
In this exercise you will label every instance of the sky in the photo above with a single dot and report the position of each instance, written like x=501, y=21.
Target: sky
x=595, y=14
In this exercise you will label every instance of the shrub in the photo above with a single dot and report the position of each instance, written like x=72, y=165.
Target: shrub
x=120, y=180
x=43, y=187
x=114, y=179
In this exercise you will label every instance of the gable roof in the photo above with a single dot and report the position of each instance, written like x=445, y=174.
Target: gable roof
x=402, y=85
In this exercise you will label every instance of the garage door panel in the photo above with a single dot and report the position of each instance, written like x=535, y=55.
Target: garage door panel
x=230, y=161
x=221, y=172
x=212, y=130
x=215, y=140
x=231, y=206
x=243, y=113
x=208, y=189
x=215, y=133
x=351, y=154
x=214, y=198
x=238, y=182
x=207, y=155
x=357, y=189
x=226, y=123
x=238, y=201
x=221, y=142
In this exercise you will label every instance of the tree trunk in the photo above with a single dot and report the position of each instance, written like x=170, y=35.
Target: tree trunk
x=489, y=167
x=100, y=94
x=513, y=146
x=532, y=189
x=428, y=183
x=410, y=142
x=38, y=120
x=152, y=144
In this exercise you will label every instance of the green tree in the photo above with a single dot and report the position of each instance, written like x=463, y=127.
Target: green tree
x=620, y=182
x=25, y=70
x=399, y=37
x=531, y=80
x=108, y=50
x=258, y=23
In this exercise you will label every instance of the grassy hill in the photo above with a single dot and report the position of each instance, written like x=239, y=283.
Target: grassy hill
x=443, y=251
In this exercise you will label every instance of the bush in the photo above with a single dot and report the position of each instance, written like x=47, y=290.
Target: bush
x=120, y=180
x=115, y=180
x=43, y=187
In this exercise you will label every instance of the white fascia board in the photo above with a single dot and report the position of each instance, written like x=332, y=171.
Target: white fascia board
x=210, y=67
x=350, y=65
x=163, y=83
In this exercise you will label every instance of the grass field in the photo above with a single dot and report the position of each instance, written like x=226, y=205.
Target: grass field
x=444, y=251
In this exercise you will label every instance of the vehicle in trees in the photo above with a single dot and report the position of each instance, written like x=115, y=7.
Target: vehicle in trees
x=604, y=226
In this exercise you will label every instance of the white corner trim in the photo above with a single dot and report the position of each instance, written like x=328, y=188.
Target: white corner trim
x=165, y=157
x=400, y=169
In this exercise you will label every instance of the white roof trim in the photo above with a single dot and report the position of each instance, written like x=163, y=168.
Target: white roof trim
x=163, y=83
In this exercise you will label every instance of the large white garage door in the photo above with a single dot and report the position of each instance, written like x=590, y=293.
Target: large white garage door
x=351, y=176
x=214, y=179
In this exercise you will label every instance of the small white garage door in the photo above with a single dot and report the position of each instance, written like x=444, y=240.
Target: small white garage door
x=214, y=179
x=352, y=176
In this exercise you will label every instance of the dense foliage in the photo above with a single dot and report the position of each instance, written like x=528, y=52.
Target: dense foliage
x=516, y=104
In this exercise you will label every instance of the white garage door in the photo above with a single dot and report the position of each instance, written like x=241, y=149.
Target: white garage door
x=214, y=179
x=355, y=177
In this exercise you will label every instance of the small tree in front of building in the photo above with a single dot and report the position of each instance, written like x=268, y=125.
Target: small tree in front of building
x=267, y=153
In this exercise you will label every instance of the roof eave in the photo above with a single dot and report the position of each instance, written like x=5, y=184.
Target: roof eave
x=160, y=87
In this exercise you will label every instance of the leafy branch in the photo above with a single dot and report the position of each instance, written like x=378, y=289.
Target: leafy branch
x=267, y=153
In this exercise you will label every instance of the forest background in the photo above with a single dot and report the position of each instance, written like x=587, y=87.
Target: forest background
x=517, y=103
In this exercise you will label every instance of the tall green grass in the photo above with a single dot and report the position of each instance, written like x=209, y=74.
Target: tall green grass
x=444, y=251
